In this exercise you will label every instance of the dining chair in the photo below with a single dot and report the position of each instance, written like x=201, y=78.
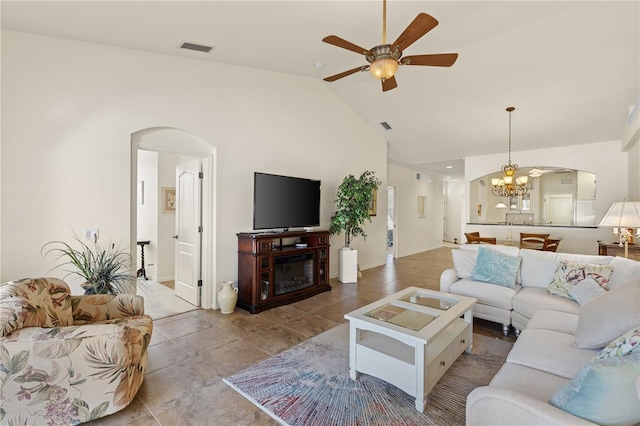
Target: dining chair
x=471, y=235
x=481, y=240
x=551, y=244
x=533, y=241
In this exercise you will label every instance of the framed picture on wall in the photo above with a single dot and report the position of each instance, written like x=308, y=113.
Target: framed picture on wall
x=373, y=207
x=422, y=206
x=168, y=200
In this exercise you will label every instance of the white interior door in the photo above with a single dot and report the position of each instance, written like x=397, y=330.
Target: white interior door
x=188, y=231
x=558, y=209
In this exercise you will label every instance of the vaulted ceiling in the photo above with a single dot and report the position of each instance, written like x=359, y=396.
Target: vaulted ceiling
x=571, y=68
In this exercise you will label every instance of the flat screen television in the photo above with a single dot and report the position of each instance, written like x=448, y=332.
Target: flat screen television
x=285, y=201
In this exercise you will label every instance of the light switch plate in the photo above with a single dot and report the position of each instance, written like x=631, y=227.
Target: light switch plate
x=91, y=234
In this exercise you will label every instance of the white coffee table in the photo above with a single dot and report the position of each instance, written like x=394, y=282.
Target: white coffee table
x=410, y=338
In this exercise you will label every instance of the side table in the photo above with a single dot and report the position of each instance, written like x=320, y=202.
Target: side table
x=614, y=249
x=142, y=272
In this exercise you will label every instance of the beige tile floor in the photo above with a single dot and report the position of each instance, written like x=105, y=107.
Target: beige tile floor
x=191, y=353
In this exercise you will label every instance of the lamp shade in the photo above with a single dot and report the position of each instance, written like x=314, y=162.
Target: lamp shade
x=622, y=214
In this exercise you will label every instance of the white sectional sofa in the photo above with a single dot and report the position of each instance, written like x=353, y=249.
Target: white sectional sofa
x=548, y=380
x=572, y=364
x=515, y=306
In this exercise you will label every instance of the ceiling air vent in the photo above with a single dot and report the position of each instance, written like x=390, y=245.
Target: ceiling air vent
x=198, y=47
x=385, y=125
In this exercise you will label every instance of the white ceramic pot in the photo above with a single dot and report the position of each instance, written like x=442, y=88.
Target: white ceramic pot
x=347, y=265
x=227, y=297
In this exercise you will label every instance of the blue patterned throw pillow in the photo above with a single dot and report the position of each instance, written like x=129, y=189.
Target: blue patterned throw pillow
x=496, y=268
x=603, y=392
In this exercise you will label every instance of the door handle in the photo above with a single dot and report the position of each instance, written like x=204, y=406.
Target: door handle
x=175, y=236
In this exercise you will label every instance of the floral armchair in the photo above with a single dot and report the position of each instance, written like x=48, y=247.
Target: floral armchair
x=68, y=359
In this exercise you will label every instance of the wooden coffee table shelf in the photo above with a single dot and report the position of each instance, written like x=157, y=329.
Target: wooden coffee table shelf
x=412, y=360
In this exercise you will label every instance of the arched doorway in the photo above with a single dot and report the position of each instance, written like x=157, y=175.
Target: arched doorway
x=177, y=141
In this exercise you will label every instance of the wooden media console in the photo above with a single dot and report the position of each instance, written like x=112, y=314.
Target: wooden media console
x=276, y=269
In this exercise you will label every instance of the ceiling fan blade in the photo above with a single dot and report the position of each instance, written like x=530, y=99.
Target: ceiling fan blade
x=340, y=42
x=389, y=83
x=416, y=29
x=346, y=73
x=437, y=60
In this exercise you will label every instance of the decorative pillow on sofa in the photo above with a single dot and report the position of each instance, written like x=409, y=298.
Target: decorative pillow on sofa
x=464, y=261
x=585, y=291
x=628, y=342
x=608, y=316
x=569, y=274
x=624, y=270
x=496, y=268
x=603, y=392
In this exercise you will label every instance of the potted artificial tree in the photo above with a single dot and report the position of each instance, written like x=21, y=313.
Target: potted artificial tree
x=354, y=200
x=105, y=270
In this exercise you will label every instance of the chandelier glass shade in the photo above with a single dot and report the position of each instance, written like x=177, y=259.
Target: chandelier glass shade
x=509, y=185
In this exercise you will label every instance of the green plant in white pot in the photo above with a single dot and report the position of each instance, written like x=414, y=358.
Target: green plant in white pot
x=353, y=203
x=105, y=270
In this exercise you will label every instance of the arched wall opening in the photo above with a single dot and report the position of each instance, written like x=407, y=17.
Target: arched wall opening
x=181, y=142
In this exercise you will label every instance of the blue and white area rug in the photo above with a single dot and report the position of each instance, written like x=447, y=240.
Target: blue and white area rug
x=309, y=384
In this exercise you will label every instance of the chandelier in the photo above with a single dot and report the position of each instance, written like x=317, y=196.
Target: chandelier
x=509, y=185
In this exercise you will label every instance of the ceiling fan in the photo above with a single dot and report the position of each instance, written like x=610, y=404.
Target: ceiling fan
x=385, y=58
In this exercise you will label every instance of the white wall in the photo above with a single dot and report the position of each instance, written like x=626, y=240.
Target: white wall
x=70, y=108
x=416, y=234
x=605, y=159
x=148, y=212
x=634, y=172
x=454, y=193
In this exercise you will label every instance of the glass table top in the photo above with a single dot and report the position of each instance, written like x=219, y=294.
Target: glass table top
x=432, y=302
x=413, y=311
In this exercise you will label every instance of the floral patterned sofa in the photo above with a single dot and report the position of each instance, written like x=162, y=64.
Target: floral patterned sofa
x=68, y=359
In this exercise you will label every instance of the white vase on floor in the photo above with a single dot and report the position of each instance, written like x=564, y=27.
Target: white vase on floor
x=227, y=297
x=347, y=265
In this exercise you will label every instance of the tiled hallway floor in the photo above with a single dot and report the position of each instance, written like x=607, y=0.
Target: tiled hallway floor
x=191, y=353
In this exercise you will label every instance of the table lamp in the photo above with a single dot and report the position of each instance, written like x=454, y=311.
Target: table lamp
x=623, y=217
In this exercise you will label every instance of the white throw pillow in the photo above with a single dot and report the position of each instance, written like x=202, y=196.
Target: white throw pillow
x=586, y=290
x=464, y=261
x=624, y=270
x=608, y=316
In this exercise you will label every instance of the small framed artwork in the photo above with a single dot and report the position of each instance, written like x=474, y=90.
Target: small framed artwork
x=373, y=207
x=422, y=206
x=168, y=200
x=479, y=209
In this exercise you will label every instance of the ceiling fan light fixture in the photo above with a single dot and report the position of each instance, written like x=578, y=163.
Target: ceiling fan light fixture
x=384, y=68
x=384, y=59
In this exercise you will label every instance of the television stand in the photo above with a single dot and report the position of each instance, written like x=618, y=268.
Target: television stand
x=273, y=272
